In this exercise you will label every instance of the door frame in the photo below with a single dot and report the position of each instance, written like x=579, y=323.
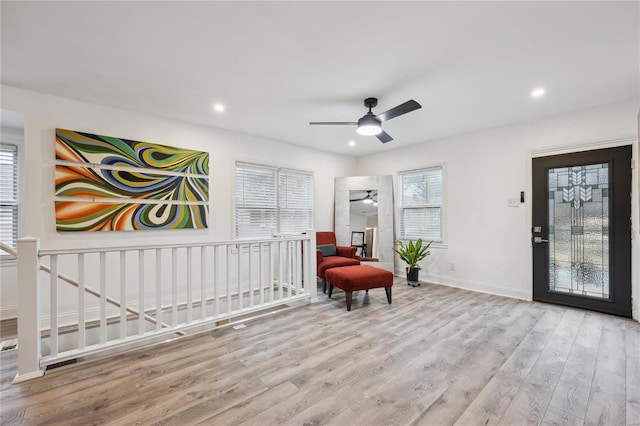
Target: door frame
x=624, y=257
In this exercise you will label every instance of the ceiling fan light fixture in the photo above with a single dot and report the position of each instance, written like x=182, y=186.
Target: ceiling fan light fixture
x=367, y=201
x=369, y=125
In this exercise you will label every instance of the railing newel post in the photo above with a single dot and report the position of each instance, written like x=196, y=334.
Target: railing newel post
x=310, y=262
x=29, y=352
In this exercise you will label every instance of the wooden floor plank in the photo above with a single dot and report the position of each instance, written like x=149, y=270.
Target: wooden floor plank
x=607, y=398
x=633, y=376
x=436, y=356
x=252, y=407
x=569, y=400
x=494, y=399
x=530, y=404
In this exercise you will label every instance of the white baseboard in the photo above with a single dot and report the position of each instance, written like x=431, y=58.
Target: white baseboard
x=28, y=376
x=479, y=287
x=8, y=312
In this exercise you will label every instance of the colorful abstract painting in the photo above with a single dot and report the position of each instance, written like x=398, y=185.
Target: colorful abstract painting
x=104, y=183
x=82, y=181
x=108, y=151
x=99, y=216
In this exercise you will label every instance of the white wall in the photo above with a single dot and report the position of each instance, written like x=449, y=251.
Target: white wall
x=7, y=268
x=488, y=242
x=43, y=113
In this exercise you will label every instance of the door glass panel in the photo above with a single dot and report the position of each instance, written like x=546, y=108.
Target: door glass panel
x=579, y=230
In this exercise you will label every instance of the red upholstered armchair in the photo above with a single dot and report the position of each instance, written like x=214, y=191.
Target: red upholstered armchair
x=329, y=255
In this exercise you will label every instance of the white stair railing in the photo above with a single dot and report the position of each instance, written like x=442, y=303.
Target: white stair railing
x=89, y=290
x=143, y=293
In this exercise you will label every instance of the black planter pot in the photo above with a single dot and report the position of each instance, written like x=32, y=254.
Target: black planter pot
x=412, y=277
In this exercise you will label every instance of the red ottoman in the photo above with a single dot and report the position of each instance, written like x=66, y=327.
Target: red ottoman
x=359, y=277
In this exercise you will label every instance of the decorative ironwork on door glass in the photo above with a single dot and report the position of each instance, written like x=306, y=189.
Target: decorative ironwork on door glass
x=579, y=230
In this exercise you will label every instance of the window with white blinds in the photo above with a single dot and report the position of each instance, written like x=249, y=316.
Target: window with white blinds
x=269, y=198
x=295, y=201
x=421, y=204
x=8, y=197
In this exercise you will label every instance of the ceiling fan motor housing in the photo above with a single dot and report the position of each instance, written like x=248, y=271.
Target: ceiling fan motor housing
x=371, y=103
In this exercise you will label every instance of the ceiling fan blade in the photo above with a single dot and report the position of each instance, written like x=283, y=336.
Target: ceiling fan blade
x=334, y=122
x=384, y=137
x=399, y=110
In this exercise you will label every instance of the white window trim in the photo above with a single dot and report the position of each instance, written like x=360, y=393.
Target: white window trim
x=6, y=258
x=444, y=206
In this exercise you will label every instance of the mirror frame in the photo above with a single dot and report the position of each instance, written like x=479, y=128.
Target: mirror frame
x=384, y=186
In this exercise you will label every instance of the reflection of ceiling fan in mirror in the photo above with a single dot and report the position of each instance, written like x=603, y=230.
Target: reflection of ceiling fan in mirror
x=369, y=198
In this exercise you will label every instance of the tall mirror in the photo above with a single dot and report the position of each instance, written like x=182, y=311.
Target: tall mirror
x=364, y=217
x=363, y=222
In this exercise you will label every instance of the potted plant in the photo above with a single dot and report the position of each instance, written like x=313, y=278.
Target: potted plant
x=412, y=254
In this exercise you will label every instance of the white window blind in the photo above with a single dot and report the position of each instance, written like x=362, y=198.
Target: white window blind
x=269, y=198
x=295, y=201
x=256, y=206
x=8, y=197
x=421, y=204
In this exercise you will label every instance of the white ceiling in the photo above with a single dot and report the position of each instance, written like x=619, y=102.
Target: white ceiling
x=278, y=65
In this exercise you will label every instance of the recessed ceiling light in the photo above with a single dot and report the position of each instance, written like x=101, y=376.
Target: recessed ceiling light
x=218, y=107
x=537, y=92
x=352, y=143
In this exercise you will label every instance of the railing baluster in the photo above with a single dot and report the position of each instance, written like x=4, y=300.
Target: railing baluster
x=280, y=271
x=103, y=297
x=123, y=294
x=158, y=289
x=189, y=286
x=304, y=265
x=53, y=306
x=174, y=286
x=81, y=308
x=216, y=302
x=141, y=292
x=271, y=273
x=228, y=275
x=296, y=269
x=250, y=276
x=261, y=272
x=300, y=254
x=203, y=276
x=289, y=268
x=240, y=292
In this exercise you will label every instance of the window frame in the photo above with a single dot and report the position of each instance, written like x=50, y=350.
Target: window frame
x=443, y=243
x=278, y=225
x=13, y=204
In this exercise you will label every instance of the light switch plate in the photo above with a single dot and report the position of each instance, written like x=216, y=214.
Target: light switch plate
x=513, y=202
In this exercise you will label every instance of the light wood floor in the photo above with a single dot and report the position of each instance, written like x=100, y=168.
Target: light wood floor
x=436, y=356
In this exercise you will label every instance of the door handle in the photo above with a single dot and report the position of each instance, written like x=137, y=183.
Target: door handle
x=539, y=240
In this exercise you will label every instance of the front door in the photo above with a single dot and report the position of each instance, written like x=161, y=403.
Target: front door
x=582, y=230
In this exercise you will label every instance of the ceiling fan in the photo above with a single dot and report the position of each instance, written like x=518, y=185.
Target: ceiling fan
x=371, y=124
x=369, y=198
